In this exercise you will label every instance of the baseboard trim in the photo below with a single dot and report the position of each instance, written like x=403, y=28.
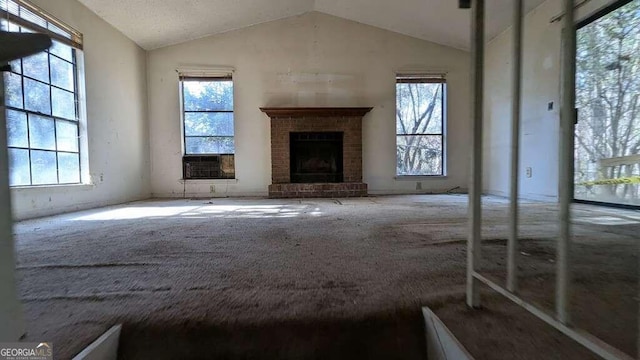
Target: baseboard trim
x=532, y=197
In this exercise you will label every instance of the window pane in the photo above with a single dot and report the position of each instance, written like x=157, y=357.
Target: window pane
x=19, y=167
x=17, y=134
x=41, y=131
x=69, y=168
x=209, y=145
x=67, y=136
x=16, y=66
x=64, y=104
x=37, y=96
x=202, y=124
x=208, y=95
x=43, y=167
x=37, y=66
x=62, y=50
x=419, y=108
x=13, y=89
x=62, y=74
x=419, y=155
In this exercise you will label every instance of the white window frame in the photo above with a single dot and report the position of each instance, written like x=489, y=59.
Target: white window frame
x=206, y=74
x=27, y=16
x=425, y=78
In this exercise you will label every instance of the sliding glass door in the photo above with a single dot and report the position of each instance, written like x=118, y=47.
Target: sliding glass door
x=607, y=134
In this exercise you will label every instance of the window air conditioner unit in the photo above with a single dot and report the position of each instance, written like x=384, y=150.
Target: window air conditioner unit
x=208, y=167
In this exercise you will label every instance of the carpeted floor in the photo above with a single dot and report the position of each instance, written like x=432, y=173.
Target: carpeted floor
x=256, y=278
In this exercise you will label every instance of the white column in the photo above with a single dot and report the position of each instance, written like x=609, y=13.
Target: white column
x=565, y=181
x=475, y=188
x=512, y=245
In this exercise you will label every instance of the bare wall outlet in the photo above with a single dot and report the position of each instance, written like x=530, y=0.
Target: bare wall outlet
x=529, y=172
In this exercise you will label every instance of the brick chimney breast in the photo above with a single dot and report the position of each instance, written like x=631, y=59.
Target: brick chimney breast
x=287, y=120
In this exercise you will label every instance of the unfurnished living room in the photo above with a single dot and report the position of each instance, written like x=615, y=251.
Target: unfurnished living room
x=319, y=179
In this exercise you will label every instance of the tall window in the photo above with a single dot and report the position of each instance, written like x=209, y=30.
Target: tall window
x=41, y=97
x=420, y=125
x=207, y=104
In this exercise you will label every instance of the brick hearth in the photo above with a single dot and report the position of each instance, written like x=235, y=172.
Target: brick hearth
x=317, y=190
x=345, y=120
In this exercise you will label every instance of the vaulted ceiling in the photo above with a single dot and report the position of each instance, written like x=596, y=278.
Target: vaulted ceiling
x=157, y=23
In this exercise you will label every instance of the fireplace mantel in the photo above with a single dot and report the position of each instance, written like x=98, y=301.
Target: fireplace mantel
x=278, y=112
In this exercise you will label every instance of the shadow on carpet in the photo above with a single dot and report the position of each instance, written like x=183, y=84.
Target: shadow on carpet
x=398, y=335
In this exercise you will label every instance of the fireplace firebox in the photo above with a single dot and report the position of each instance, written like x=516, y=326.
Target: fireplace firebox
x=316, y=157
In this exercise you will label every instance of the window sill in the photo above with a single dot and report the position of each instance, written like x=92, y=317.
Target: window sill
x=54, y=186
x=419, y=177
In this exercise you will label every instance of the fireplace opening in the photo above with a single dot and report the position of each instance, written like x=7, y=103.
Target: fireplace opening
x=316, y=157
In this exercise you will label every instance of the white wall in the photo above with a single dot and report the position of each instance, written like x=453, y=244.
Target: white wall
x=309, y=60
x=116, y=100
x=540, y=128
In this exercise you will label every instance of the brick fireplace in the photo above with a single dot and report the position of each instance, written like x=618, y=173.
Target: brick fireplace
x=316, y=152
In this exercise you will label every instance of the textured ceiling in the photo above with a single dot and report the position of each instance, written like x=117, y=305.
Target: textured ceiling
x=157, y=23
